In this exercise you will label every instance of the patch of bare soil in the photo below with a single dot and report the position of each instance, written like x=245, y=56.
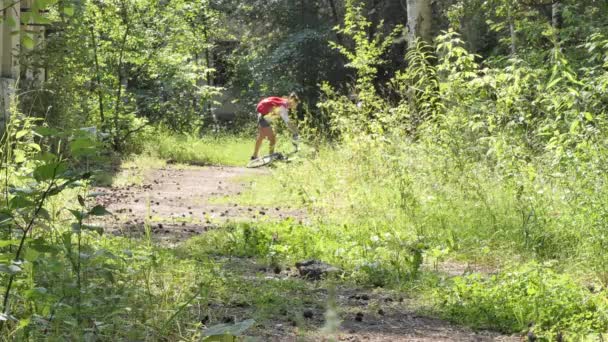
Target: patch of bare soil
x=176, y=203
x=372, y=315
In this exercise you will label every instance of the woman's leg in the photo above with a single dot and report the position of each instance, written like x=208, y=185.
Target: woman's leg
x=264, y=132
x=258, y=142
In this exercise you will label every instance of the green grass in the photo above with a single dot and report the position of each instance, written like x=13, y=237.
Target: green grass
x=379, y=212
x=134, y=290
x=180, y=150
x=382, y=210
x=191, y=149
x=375, y=206
x=510, y=301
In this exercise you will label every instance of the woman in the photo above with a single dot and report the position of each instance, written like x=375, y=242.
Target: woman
x=268, y=109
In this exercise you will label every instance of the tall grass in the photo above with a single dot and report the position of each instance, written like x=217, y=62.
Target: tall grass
x=377, y=207
x=420, y=192
x=206, y=150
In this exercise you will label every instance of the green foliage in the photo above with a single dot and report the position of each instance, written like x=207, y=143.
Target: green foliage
x=59, y=273
x=365, y=255
x=31, y=179
x=364, y=111
x=281, y=46
x=455, y=155
x=121, y=65
x=531, y=294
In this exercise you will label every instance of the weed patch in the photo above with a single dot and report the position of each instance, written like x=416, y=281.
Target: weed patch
x=528, y=296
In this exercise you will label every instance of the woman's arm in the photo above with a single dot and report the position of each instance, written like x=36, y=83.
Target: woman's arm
x=284, y=113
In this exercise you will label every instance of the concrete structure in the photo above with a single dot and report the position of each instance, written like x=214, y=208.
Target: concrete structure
x=226, y=110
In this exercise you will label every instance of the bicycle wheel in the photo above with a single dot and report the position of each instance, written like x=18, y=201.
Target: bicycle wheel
x=261, y=161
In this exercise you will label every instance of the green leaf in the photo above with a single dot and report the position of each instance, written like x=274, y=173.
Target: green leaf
x=12, y=23
x=46, y=131
x=83, y=147
x=19, y=156
x=108, y=276
x=28, y=42
x=40, y=4
x=553, y=83
x=31, y=255
x=26, y=17
x=20, y=202
x=41, y=246
x=40, y=19
x=99, y=210
x=21, y=134
x=44, y=214
x=50, y=171
x=6, y=243
x=23, y=323
x=574, y=126
x=588, y=116
x=77, y=214
x=6, y=257
x=36, y=293
x=46, y=157
x=5, y=219
x=34, y=146
x=66, y=237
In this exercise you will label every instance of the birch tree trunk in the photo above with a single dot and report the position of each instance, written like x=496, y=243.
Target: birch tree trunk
x=513, y=36
x=419, y=20
x=512, y=31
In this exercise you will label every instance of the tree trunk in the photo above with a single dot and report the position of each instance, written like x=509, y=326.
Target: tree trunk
x=98, y=77
x=512, y=31
x=120, y=78
x=419, y=20
x=513, y=37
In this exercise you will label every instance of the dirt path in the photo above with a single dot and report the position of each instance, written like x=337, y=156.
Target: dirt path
x=178, y=203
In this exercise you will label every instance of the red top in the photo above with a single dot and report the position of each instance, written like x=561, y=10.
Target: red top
x=268, y=104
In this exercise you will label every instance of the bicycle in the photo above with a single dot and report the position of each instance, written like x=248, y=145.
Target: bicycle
x=271, y=158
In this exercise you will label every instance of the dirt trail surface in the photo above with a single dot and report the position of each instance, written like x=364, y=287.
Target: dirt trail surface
x=177, y=204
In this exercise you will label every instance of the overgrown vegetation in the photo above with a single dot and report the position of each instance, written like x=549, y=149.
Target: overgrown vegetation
x=490, y=164
x=483, y=143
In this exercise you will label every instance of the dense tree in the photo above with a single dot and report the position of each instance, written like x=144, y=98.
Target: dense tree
x=471, y=130
x=125, y=64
